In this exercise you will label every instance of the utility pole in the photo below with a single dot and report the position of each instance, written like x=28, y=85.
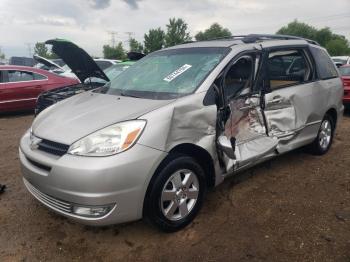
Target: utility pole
x=113, y=35
x=30, y=49
x=129, y=35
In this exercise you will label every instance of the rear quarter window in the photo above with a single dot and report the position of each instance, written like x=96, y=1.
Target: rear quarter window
x=39, y=77
x=324, y=64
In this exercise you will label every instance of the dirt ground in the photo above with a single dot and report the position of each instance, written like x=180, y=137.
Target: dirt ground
x=294, y=208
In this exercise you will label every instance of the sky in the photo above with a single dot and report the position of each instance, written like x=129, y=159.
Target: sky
x=89, y=23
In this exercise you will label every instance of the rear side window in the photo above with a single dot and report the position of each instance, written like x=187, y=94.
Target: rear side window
x=287, y=67
x=39, y=77
x=19, y=76
x=324, y=64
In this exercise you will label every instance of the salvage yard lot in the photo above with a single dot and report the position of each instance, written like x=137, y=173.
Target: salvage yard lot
x=294, y=208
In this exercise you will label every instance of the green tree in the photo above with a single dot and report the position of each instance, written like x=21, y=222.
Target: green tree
x=296, y=28
x=117, y=52
x=323, y=36
x=177, y=32
x=338, y=46
x=42, y=50
x=135, y=46
x=214, y=31
x=154, y=40
x=334, y=43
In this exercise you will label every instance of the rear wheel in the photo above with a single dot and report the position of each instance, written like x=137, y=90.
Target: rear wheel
x=324, y=138
x=176, y=194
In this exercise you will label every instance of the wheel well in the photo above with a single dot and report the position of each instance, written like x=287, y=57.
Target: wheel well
x=333, y=114
x=201, y=156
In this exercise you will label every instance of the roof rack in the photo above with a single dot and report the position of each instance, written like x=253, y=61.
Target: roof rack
x=254, y=38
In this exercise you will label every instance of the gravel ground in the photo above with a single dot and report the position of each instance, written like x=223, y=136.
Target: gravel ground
x=294, y=208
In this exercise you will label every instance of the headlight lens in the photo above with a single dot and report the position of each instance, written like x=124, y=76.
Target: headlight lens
x=110, y=140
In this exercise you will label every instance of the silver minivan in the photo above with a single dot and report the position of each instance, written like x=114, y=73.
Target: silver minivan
x=178, y=122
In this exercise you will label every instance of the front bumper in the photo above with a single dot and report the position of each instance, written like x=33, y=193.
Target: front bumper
x=120, y=180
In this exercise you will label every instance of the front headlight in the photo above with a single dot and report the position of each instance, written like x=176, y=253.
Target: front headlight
x=109, y=140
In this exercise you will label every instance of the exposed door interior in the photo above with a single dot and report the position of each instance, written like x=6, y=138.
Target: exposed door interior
x=243, y=139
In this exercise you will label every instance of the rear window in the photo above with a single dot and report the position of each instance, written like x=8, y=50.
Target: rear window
x=324, y=64
x=345, y=71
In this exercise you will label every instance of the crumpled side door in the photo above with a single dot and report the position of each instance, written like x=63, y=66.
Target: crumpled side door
x=243, y=140
x=290, y=102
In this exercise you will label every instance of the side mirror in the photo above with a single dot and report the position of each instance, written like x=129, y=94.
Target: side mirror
x=212, y=96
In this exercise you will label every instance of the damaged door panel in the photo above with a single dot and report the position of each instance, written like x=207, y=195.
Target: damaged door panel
x=243, y=139
x=290, y=99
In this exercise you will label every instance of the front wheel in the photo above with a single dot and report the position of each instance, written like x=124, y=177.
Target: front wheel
x=324, y=138
x=176, y=194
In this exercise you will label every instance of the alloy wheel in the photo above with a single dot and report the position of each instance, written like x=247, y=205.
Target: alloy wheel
x=179, y=194
x=325, y=134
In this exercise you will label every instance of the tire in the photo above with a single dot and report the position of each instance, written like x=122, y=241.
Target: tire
x=324, y=138
x=169, y=197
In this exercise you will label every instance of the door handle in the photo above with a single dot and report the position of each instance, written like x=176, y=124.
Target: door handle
x=276, y=100
x=245, y=108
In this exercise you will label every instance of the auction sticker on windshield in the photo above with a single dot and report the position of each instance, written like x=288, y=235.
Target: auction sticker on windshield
x=177, y=72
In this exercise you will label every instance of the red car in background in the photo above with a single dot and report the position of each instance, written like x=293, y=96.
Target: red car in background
x=345, y=75
x=21, y=85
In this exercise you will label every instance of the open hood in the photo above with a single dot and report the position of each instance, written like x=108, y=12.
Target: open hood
x=82, y=65
x=47, y=62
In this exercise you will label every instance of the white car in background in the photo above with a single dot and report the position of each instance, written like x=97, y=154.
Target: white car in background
x=65, y=70
x=105, y=63
x=341, y=60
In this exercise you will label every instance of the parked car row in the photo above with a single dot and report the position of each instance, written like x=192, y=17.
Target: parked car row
x=28, y=88
x=150, y=142
x=345, y=74
x=20, y=86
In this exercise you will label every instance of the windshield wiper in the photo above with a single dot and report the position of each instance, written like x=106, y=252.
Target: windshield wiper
x=128, y=95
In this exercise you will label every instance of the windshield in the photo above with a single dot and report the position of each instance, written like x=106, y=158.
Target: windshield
x=345, y=70
x=66, y=68
x=167, y=74
x=339, y=60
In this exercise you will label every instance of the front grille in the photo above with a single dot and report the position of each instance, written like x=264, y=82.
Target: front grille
x=49, y=200
x=52, y=147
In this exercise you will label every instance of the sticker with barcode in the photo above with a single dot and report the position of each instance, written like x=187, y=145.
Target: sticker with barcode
x=177, y=72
